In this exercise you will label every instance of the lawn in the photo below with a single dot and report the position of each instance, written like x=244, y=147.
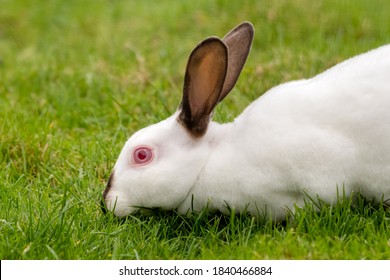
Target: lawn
x=77, y=78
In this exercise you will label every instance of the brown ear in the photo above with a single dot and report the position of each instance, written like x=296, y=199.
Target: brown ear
x=203, y=82
x=239, y=42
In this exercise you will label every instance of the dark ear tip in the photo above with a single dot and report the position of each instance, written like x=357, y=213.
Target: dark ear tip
x=244, y=27
x=210, y=41
x=248, y=25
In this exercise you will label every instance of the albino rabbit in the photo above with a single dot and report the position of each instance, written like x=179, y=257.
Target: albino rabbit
x=303, y=137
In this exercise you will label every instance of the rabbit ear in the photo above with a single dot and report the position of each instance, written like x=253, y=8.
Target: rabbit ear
x=203, y=82
x=239, y=42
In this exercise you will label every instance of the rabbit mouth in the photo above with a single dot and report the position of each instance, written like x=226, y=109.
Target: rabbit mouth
x=109, y=203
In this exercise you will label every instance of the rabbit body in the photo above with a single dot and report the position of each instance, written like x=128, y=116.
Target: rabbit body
x=304, y=137
x=308, y=137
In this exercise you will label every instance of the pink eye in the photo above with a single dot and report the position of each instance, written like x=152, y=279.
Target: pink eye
x=142, y=155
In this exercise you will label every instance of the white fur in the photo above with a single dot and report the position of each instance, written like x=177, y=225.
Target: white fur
x=309, y=136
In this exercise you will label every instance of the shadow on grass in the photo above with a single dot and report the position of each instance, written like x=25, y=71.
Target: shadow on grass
x=316, y=217
x=158, y=234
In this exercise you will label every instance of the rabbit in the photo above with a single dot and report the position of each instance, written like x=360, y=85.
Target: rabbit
x=303, y=138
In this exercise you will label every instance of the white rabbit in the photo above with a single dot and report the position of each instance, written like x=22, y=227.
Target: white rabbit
x=306, y=137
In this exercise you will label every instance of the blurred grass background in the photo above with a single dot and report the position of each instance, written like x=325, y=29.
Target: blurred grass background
x=78, y=77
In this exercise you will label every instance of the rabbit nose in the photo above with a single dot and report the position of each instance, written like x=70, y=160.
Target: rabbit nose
x=108, y=187
x=103, y=206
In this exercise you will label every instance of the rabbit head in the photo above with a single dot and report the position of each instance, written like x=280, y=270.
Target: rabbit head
x=159, y=164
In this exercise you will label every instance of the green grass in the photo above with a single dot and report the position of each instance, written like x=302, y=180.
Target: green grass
x=76, y=80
